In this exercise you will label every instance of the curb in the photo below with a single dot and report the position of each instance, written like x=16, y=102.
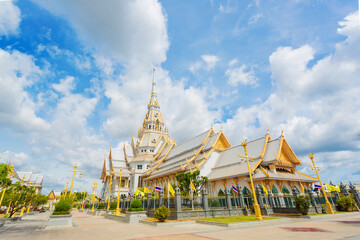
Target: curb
x=167, y=223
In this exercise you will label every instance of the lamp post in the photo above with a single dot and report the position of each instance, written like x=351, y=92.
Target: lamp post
x=74, y=171
x=256, y=204
x=82, y=206
x=66, y=186
x=9, y=174
x=94, y=193
x=316, y=168
x=118, y=197
x=111, y=175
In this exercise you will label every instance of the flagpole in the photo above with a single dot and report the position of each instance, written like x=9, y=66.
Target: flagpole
x=168, y=200
x=192, y=199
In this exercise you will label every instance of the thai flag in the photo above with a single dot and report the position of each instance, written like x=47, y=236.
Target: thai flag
x=234, y=189
x=317, y=185
x=129, y=195
x=157, y=188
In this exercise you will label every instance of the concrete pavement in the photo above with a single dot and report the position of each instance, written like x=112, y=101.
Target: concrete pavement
x=97, y=227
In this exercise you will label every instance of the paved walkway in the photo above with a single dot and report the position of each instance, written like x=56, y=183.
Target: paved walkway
x=96, y=227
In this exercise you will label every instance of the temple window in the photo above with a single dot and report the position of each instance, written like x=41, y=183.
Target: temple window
x=139, y=166
x=148, y=166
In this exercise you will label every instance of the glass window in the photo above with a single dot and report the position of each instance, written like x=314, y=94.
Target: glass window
x=139, y=166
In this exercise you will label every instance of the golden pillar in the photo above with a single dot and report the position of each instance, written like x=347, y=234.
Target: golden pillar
x=94, y=193
x=256, y=204
x=82, y=205
x=316, y=168
x=118, y=196
x=110, y=181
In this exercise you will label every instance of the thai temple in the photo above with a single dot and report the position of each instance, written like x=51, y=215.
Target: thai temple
x=153, y=158
x=29, y=179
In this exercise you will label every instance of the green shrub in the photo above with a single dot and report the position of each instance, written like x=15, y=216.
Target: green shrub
x=113, y=205
x=101, y=206
x=136, y=204
x=215, y=203
x=302, y=204
x=323, y=208
x=346, y=203
x=162, y=213
x=87, y=205
x=135, y=209
x=62, y=207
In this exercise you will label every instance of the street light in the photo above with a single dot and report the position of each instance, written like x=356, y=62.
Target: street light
x=74, y=171
x=256, y=205
x=316, y=169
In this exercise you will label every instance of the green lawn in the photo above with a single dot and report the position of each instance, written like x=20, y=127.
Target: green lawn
x=235, y=219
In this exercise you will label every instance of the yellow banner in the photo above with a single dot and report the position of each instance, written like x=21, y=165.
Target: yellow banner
x=332, y=188
x=192, y=186
x=146, y=190
x=171, y=190
x=265, y=190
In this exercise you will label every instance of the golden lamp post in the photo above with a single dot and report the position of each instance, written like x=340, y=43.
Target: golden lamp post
x=316, y=168
x=66, y=186
x=23, y=208
x=3, y=192
x=256, y=204
x=118, y=196
x=94, y=193
x=111, y=175
x=74, y=171
x=82, y=205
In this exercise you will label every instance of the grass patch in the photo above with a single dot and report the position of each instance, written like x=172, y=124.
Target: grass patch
x=235, y=219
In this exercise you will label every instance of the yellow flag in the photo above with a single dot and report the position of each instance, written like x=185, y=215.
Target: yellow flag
x=171, y=190
x=137, y=192
x=265, y=190
x=332, y=188
x=192, y=186
x=146, y=190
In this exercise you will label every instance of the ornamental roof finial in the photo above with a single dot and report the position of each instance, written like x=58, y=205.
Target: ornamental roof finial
x=153, y=91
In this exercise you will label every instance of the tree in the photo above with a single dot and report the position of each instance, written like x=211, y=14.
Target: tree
x=39, y=200
x=80, y=196
x=4, y=173
x=184, y=181
x=17, y=197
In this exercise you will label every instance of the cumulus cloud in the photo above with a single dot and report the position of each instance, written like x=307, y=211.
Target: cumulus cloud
x=318, y=106
x=240, y=75
x=18, y=159
x=9, y=18
x=207, y=63
x=17, y=108
x=255, y=18
x=133, y=32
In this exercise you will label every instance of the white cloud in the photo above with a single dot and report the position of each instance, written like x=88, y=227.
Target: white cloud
x=318, y=106
x=227, y=9
x=238, y=75
x=129, y=31
x=255, y=18
x=65, y=86
x=18, y=159
x=9, y=18
x=17, y=109
x=207, y=63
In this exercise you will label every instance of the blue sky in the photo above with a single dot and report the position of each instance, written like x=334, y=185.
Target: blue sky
x=75, y=77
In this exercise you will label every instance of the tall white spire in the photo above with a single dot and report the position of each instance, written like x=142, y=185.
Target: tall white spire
x=153, y=91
